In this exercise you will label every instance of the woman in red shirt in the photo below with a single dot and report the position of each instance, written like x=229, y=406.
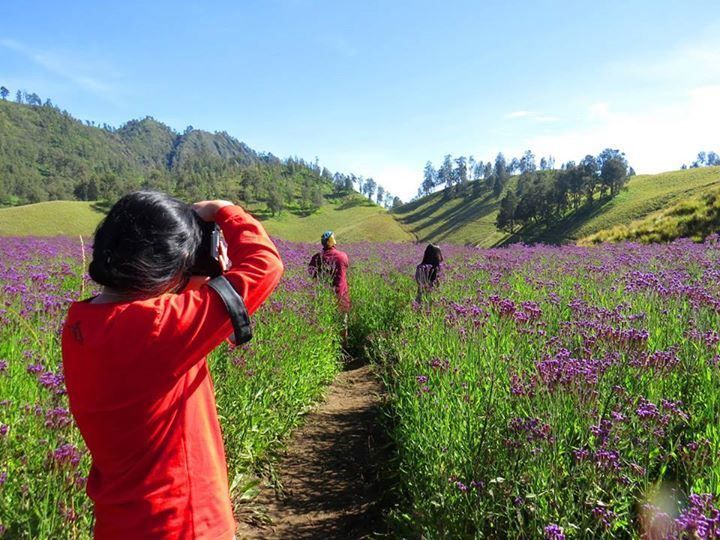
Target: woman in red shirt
x=135, y=369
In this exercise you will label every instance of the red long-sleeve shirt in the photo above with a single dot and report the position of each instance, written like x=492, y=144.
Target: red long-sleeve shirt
x=333, y=263
x=141, y=394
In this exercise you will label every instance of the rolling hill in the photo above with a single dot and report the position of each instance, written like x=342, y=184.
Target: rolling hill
x=695, y=218
x=52, y=218
x=468, y=217
x=353, y=219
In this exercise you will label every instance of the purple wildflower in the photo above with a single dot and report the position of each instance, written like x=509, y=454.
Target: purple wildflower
x=554, y=532
x=66, y=455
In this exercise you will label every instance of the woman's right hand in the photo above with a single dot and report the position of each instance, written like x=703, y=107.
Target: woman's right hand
x=207, y=209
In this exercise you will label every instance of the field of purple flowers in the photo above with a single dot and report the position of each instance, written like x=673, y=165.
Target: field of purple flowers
x=556, y=392
x=538, y=393
x=262, y=388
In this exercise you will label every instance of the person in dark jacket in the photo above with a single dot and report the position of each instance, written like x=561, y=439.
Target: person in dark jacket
x=426, y=273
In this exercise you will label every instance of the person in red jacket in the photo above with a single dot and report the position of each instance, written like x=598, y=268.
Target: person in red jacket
x=332, y=264
x=135, y=370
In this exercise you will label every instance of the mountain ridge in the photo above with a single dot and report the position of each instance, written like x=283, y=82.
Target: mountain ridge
x=46, y=154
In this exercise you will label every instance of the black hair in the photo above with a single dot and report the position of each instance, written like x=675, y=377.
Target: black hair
x=433, y=255
x=146, y=245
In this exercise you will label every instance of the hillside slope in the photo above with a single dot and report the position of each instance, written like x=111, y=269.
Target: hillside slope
x=695, y=218
x=469, y=216
x=52, y=218
x=353, y=220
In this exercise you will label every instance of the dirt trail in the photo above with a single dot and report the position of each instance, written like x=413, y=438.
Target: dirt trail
x=329, y=486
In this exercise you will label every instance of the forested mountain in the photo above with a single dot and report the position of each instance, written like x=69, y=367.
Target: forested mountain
x=46, y=154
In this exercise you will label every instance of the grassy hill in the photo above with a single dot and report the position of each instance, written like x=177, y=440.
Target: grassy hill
x=356, y=221
x=353, y=220
x=469, y=216
x=53, y=218
x=694, y=218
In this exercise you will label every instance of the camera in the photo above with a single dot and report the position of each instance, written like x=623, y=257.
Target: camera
x=207, y=257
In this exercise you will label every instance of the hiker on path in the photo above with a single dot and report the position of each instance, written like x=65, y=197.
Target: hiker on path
x=134, y=361
x=331, y=265
x=426, y=273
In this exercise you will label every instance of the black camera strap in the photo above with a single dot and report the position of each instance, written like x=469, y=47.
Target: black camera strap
x=236, y=308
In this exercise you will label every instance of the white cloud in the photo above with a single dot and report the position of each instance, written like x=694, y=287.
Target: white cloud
x=532, y=116
x=517, y=114
x=599, y=111
x=657, y=139
x=92, y=76
x=400, y=180
x=691, y=64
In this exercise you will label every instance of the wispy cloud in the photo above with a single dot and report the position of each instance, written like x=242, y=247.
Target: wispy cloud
x=693, y=63
x=599, y=110
x=92, y=76
x=531, y=116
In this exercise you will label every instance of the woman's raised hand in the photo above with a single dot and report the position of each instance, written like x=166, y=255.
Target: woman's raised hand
x=207, y=209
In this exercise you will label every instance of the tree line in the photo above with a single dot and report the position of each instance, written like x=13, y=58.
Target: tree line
x=454, y=173
x=531, y=192
x=540, y=198
x=704, y=159
x=368, y=187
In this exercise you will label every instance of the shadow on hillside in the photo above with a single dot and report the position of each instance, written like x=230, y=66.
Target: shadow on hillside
x=262, y=214
x=339, y=196
x=102, y=207
x=425, y=213
x=356, y=202
x=303, y=212
x=558, y=232
x=450, y=220
x=453, y=219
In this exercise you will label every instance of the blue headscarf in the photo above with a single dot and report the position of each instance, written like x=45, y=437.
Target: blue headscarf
x=325, y=238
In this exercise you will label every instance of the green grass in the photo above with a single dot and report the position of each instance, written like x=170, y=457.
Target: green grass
x=356, y=222
x=516, y=380
x=353, y=220
x=647, y=194
x=694, y=218
x=470, y=218
x=55, y=218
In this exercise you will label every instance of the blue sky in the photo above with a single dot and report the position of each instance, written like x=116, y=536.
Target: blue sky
x=380, y=87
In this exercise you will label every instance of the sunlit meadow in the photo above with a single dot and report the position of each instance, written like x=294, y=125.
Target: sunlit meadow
x=537, y=393
x=556, y=392
x=262, y=388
